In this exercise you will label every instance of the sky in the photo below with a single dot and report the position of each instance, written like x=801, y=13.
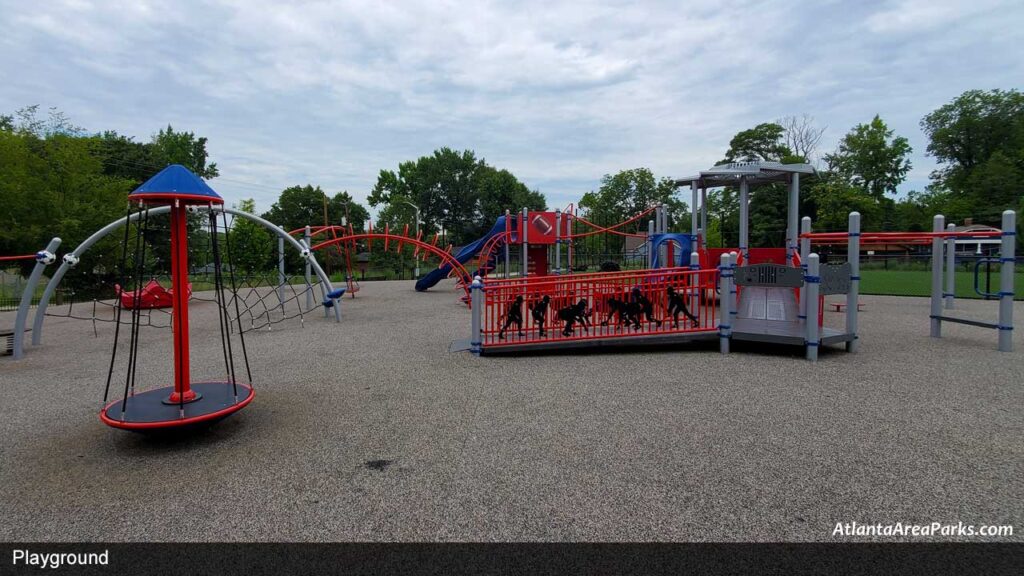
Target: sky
x=559, y=93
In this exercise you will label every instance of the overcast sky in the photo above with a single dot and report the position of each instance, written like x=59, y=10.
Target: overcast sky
x=329, y=93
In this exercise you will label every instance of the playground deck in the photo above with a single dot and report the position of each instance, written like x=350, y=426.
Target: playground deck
x=372, y=430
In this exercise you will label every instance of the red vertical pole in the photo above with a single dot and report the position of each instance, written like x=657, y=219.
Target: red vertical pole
x=179, y=283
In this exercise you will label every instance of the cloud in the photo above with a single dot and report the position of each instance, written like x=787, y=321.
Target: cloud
x=330, y=93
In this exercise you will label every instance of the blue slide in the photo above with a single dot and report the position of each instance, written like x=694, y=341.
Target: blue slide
x=465, y=255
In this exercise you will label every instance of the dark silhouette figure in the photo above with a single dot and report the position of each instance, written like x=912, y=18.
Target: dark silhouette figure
x=539, y=311
x=513, y=315
x=573, y=314
x=677, y=305
x=618, y=309
x=642, y=306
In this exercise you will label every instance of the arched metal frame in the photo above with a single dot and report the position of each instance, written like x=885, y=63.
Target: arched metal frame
x=76, y=254
x=444, y=255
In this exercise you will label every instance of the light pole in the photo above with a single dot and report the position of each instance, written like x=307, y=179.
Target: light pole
x=416, y=272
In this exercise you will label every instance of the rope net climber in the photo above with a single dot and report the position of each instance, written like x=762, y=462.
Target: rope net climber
x=272, y=287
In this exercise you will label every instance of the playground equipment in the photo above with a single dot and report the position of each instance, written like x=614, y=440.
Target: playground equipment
x=260, y=306
x=185, y=403
x=943, y=286
x=152, y=295
x=43, y=258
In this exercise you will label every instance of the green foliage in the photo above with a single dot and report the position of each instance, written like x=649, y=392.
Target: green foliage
x=624, y=195
x=871, y=159
x=253, y=248
x=453, y=190
x=979, y=139
x=762, y=142
x=299, y=206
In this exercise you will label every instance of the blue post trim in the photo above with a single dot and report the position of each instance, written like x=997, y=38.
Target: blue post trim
x=852, y=234
x=852, y=278
x=1009, y=233
x=1010, y=294
x=1006, y=260
x=1001, y=327
x=944, y=294
x=802, y=316
x=812, y=279
x=814, y=344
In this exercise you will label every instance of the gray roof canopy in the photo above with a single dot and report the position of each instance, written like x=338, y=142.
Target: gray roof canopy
x=758, y=172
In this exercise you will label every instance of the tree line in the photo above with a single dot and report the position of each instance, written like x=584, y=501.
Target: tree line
x=60, y=180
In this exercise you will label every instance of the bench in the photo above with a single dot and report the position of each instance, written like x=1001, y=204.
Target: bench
x=841, y=306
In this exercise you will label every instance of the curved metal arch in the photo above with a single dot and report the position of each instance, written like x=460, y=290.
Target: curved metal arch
x=490, y=246
x=51, y=286
x=444, y=255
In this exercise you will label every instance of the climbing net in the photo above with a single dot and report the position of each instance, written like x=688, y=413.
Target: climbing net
x=272, y=287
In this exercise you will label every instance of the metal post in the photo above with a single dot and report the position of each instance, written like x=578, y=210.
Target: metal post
x=558, y=241
x=1006, y=258
x=938, y=224
x=744, y=219
x=793, y=216
x=523, y=241
x=280, y=271
x=812, y=280
x=476, y=294
x=734, y=293
x=693, y=208
x=724, y=290
x=650, y=244
x=704, y=216
x=309, y=269
x=950, y=292
x=805, y=251
x=853, y=257
x=695, y=294
x=508, y=224
x=18, y=349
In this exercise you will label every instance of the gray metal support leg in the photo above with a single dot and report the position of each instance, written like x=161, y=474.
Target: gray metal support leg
x=525, y=227
x=558, y=241
x=805, y=252
x=694, y=222
x=280, y=271
x=950, y=293
x=724, y=297
x=812, y=281
x=476, y=298
x=1006, y=258
x=43, y=259
x=309, y=270
x=793, y=214
x=853, y=257
x=938, y=224
x=744, y=220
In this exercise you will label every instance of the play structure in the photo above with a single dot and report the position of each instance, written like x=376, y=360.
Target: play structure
x=687, y=290
x=765, y=295
x=186, y=402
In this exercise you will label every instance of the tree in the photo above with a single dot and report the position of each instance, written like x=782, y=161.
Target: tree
x=979, y=140
x=252, y=247
x=170, y=147
x=624, y=195
x=801, y=136
x=768, y=203
x=453, y=190
x=299, y=206
x=871, y=159
x=763, y=142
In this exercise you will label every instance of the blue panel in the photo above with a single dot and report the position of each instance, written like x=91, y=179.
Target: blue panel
x=175, y=180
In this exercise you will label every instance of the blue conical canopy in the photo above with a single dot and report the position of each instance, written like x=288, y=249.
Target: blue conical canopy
x=176, y=182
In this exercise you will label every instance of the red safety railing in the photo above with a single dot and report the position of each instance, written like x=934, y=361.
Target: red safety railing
x=598, y=306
